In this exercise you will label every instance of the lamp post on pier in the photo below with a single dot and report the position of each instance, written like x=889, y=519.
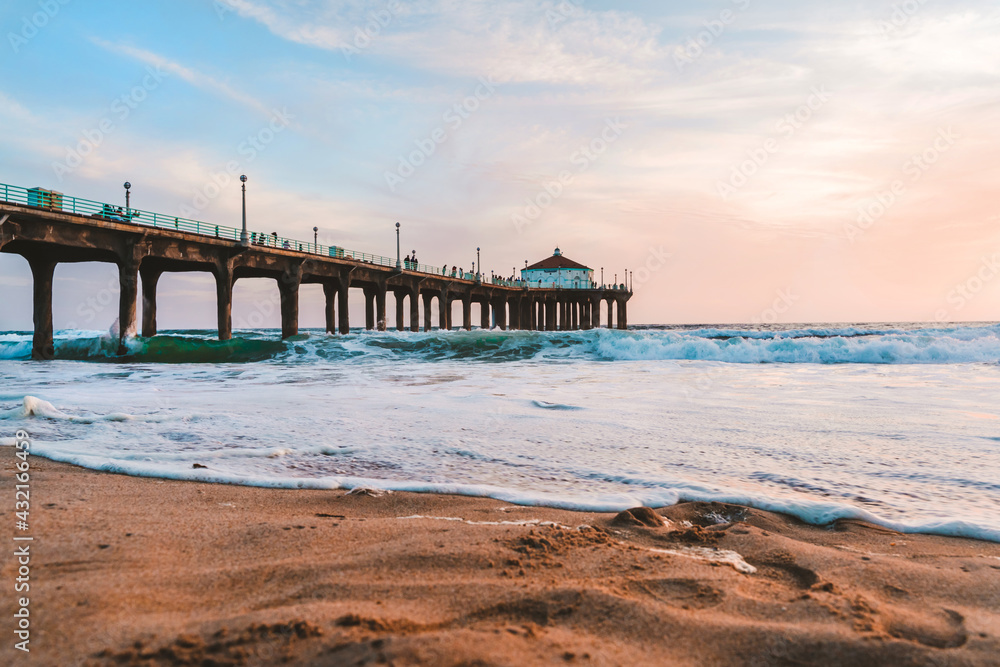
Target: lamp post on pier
x=128, y=199
x=316, y=240
x=602, y=277
x=479, y=262
x=399, y=264
x=244, y=237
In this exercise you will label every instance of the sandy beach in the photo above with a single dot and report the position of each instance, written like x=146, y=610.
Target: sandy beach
x=134, y=571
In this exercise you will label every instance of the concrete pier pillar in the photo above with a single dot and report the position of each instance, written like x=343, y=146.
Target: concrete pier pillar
x=611, y=313
x=42, y=270
x=128, y=295
x=550, y=314
x=288, y=289
x=415, y=310
x=149, y=277
x=380, y=307
x=444, y=311
x=563, y=316
x=467, y=312
x=574, y=315
x=622, y=314
x=330, y=297
x=514, y=321
x=369, y=308
x=400, y=297
x=428, y=299
x=484, y=315
x=500, y=308
x=343, y=312
x=224, y=300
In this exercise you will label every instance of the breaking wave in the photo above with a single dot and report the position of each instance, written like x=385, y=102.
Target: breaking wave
x=902, y=344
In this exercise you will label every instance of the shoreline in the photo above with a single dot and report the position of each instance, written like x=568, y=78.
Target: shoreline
x=131, y=570
x=830, y=511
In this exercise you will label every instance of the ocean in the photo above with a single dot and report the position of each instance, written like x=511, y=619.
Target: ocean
x=896, y=424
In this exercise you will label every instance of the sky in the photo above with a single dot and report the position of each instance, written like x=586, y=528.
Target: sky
x=747, y=161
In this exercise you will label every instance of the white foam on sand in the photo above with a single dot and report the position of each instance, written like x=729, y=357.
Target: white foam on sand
x=901, y=446
x=526, y=522
x=36, y=407
x=722, y=556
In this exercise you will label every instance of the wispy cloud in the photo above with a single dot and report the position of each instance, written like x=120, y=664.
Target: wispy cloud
x=201, y=81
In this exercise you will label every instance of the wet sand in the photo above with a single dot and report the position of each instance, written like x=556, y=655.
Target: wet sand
x=149, y=572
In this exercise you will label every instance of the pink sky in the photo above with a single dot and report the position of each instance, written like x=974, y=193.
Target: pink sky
x=803, y=115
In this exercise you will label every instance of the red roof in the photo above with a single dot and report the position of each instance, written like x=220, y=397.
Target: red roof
x=557, y=262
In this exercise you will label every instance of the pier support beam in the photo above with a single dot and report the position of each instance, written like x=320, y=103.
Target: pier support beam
x=514, y=317
x=42, y=270
x=611, y=313
x=128, y=295
x=330, y=297
x=444, y=311
x=400, y=297
x=622, y=314
x=484, y=315
x=224, y=299
x=343, y=313
x=149, y=277
x=467, y=312
x=288, y=289
x=428, y=298
x=369, y=308
x=415, y=309
x=500, y=313
x=380, y=307
x=550, y=314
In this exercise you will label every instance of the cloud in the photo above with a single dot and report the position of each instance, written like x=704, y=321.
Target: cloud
x=512, y=40
x=193, y=77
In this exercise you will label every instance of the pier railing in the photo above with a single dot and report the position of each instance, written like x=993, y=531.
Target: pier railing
x=57, y=201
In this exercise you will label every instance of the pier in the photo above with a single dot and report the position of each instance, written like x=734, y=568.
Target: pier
x=48, y=228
